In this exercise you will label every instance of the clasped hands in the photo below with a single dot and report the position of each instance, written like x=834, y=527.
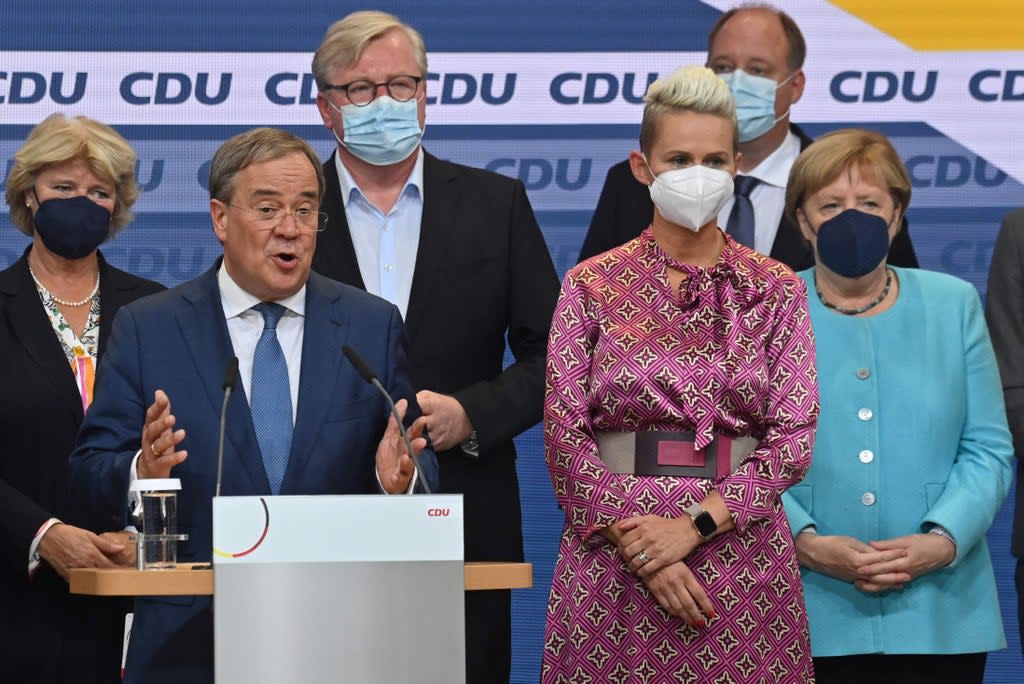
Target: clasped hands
x=875, y=566
x=654, y=547
x=65, y=547
x=160, y=441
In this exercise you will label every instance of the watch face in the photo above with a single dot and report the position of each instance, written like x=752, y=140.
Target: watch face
x=705, y=524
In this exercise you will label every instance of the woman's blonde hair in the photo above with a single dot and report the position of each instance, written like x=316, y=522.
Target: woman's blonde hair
x=58, y=140
x=687, y=89
x=834, y=153
x=345, y=40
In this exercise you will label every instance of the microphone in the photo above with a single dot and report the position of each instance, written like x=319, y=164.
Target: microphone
x=369, y=376
x=230, y=376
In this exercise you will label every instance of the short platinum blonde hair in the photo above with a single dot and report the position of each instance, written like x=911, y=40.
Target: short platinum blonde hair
x=687, y=89
x=58, y=140
x=345, y=41
x=257, y=146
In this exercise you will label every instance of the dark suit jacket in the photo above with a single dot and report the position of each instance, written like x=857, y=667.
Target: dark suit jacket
x=482, y=272
x=178, y=341
x=46, y=634
x=1004, y=311
x=625, y=209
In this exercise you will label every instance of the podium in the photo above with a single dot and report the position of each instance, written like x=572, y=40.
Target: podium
x=330, y=588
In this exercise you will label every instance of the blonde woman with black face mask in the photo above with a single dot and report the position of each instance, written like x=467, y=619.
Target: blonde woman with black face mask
x=71, y=188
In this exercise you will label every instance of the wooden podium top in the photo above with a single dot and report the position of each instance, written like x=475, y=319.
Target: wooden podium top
x=190, y=579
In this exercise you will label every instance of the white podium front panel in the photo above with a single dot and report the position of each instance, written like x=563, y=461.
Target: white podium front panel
x=286, y=529
x=338, y=589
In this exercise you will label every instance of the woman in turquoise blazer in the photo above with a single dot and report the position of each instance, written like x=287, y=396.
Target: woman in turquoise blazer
x=912, y=456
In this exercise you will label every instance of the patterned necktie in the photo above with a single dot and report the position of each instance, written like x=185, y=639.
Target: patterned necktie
x=271, y=400
x=741, y=218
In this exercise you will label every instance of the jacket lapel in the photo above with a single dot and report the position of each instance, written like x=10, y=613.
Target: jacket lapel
x=115, y=292
x=324, y=333
x=205, y=332
x=335, y=253
x=31, y=325
x=438, y=228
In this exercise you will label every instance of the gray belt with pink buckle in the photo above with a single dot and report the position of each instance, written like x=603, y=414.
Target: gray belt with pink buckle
x=658, y=453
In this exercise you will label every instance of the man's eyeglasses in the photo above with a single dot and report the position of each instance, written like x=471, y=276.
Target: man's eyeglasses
x=361, y=93
x=270, y=217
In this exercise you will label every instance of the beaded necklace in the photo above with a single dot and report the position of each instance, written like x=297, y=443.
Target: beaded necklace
x=64, y=302
x=859, y=310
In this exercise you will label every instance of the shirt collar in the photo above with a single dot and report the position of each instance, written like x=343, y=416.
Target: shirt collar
x=774, y=169
x=237, y=301
x=350, y=190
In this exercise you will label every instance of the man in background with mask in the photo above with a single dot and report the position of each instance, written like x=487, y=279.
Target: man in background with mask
x=759, y=51
x=459, y=251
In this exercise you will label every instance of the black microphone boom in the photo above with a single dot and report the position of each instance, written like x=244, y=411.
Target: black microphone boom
x=361, y=366
x=230, y=377
x=369, y=376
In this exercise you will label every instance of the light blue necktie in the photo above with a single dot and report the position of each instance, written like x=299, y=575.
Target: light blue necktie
x=271, y=400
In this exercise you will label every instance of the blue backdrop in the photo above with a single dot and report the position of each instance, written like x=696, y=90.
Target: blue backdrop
x=544, y=90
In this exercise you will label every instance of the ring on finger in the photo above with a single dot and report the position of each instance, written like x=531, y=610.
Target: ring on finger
x=643, y=558
x=152, y=447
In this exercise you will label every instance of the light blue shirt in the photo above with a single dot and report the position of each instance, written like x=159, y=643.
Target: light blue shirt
x=385, y=244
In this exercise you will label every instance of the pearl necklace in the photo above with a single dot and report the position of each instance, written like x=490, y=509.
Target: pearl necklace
x=863, y=309
x=64, y=302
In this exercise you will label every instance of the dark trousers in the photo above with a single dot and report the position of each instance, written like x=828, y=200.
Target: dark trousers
x=961, y=668
x=493, y=532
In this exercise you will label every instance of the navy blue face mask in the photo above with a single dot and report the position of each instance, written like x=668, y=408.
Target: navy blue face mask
x=853, y=243
x=73, y=227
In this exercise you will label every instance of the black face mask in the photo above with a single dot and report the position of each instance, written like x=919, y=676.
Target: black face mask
x=853, y=243
x=72, y=228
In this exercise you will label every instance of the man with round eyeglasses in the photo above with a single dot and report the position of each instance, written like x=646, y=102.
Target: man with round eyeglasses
x=459, y=251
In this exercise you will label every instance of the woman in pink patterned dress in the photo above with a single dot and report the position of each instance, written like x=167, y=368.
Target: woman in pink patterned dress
x=681, y=403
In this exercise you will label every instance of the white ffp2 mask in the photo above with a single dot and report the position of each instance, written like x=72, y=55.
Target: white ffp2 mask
x=692, y=196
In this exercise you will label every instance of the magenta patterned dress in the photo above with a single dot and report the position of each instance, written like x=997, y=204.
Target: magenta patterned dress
x=733, y=353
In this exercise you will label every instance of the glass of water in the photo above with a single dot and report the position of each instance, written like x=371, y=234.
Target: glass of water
x=158, y=539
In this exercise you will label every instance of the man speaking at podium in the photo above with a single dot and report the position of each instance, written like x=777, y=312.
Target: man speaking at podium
x=303, y=421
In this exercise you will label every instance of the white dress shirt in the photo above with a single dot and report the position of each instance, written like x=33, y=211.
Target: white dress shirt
x=245, y=326
x=385, y=244
x=769, y=197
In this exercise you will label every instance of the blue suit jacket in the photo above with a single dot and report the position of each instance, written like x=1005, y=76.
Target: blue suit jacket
x=178, y=341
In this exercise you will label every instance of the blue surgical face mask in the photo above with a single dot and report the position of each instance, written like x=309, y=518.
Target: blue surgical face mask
x=72, y=227
x=754, y=97
x=381, y=133
x=853, y=243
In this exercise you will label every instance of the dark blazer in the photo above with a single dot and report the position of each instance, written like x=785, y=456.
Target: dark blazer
x=1004, y=312
x=483, y=272
x=48, y=635
x=625, y=209
x=178, y=341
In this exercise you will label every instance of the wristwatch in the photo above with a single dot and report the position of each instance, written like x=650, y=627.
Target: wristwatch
x=702, y=520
